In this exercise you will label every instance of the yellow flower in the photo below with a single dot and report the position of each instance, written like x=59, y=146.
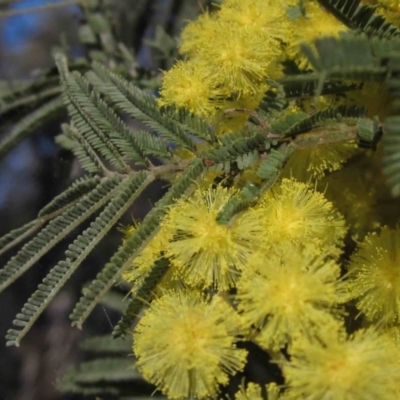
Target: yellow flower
x=290, y=295
x=374, y=276
x=315, y=162
x=268, y=16
x=292, y=211
x=202, y=30
x=365, y=366
x=239, y=58
x=205, y=252
x=185, y=345
x=189, y=85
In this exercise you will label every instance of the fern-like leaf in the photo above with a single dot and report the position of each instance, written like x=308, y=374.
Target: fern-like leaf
x=128, y=251
x=107, y=344
x=272, y=165
x=361, y=17
x=301, y=122
x=138, y=298
x=71, y=139
x=124, y=195
x=248, y=196
x=238, y=148
x=57, y=229
x=75, y=191
x=85, y=111
x=30, y=123
x=139, y=105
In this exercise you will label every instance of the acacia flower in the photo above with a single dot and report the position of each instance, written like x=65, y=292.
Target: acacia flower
x=186, y=344
x=273, y=23
x=202, y=30
x=238, y=58
x=363, y=366
x=290, y=295
x=374, y=276
x=315, y=162
x=294, y=212
x=205, y=252
x=188, y=84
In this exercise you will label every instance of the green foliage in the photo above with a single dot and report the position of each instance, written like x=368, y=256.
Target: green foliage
x=360, y=17
x=120, y=162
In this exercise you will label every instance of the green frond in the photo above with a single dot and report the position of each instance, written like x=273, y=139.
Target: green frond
x=83, y=107
x=124, y=195
x=128, y=251
x=15, y=103
x=301, y=122
x=192, y=124
x=139, y=298
x=301, y=90
x=151, y=145
x=66, y=199
x=361, y=17
x=347, y=57
x=391, y=158
x=275, y=99
x=272, y=166
x=72, y=140
x=101, y=376
x=75, y=191
x=30, y=123
x=12, y=238
x=57, y=229
x=107, y=344
x=238, y=148
x=248, y=159
x=139, y=105
x=247, y=197
x=284, y=125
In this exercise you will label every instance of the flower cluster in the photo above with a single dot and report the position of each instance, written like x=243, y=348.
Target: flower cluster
x=280, y=271
x=230, y=53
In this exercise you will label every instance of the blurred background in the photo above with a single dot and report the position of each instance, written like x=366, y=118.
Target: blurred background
x=37, y=169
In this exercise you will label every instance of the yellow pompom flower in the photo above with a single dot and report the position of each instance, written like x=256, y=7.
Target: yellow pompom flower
x=205, y=252
x=374, y=276
x=292, y=211
x=269, y=16
x=314, y=162
x=186, y=345
x=202, y=30
x=364, y=366
x=238, y=58
x=290, y=295
x=188, y=84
